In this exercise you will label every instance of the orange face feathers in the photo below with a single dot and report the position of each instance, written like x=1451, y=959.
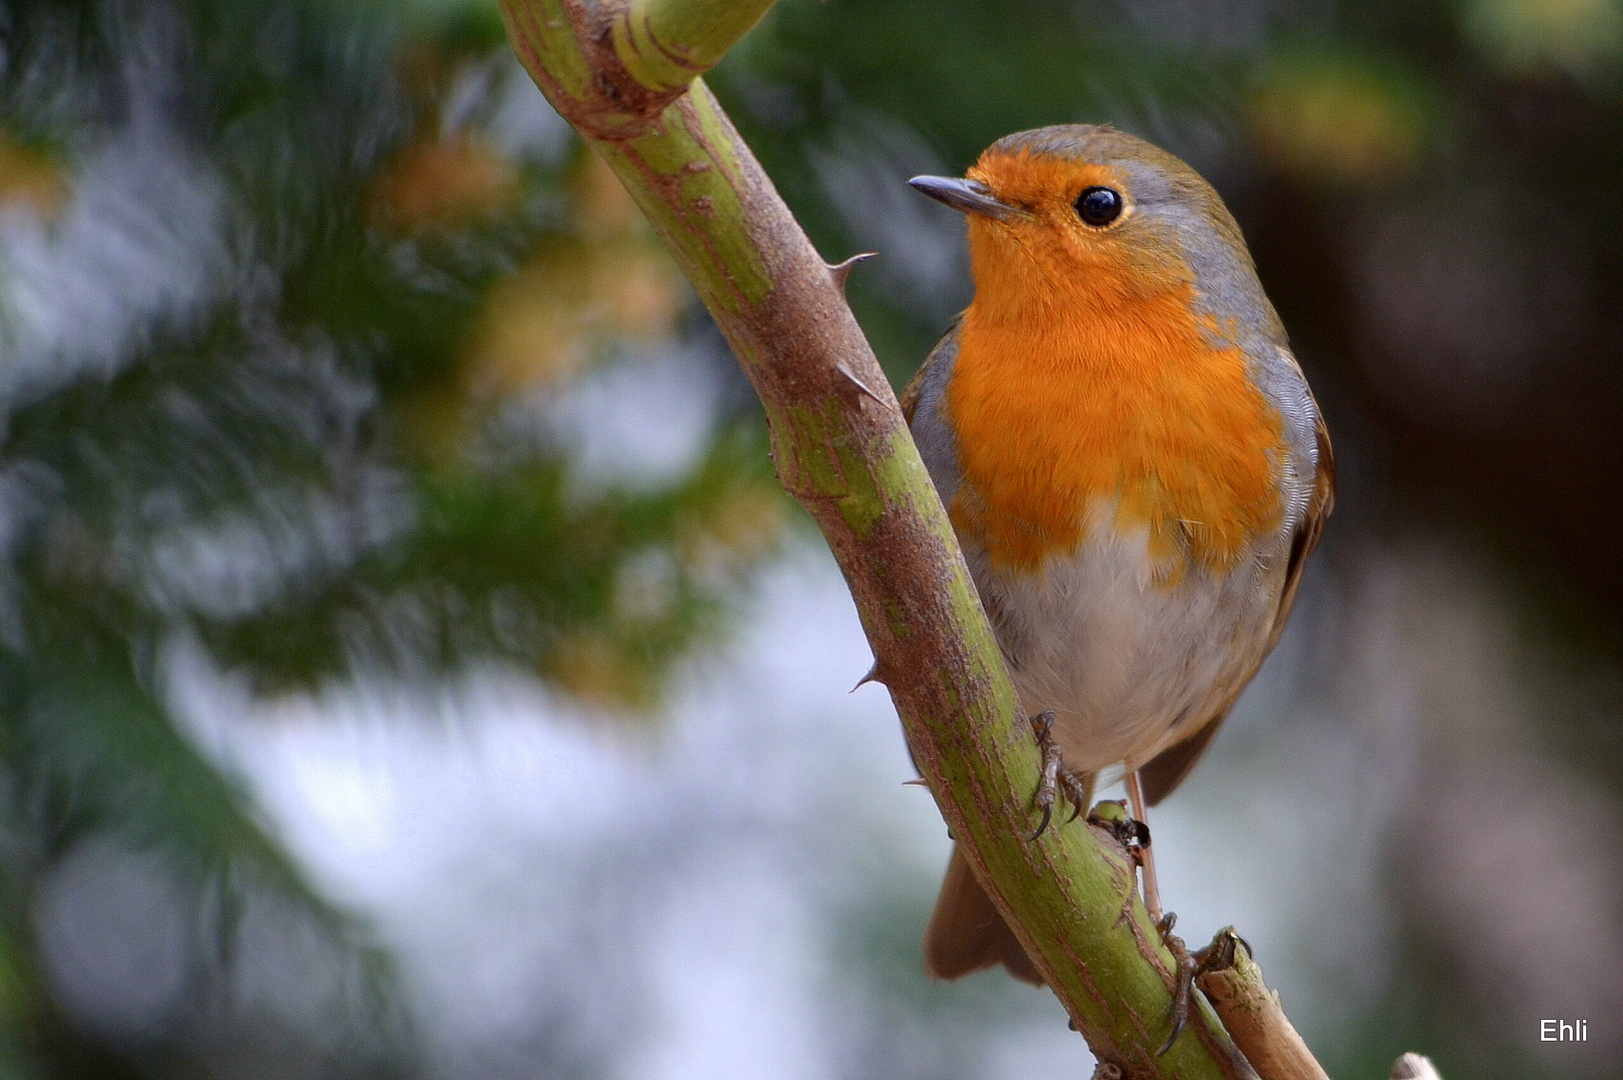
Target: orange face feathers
x=1098, y=371
x=1039, y=258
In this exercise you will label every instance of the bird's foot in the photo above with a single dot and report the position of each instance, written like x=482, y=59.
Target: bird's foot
x=1183, y=979
x=1190, y=966
x=1056, y=777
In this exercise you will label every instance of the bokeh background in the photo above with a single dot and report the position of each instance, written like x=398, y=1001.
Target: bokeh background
x=409, y=666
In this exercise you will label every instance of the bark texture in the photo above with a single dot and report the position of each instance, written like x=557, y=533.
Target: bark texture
x=1253, y=1015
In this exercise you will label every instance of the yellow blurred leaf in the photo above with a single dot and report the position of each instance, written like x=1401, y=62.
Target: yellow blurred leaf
x=439, y=183
x=1332, y=119
x=610, y=280
x=592, y=667
x=29, y=178
x=1571, y=34
x=733, y=532
x=576, y=296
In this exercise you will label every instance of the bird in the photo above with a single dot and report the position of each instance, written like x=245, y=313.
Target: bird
x=1133, y=463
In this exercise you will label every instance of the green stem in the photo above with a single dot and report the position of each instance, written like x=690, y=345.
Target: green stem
x=665, y=44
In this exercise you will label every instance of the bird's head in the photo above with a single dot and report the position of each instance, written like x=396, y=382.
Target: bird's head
x=1076, y=218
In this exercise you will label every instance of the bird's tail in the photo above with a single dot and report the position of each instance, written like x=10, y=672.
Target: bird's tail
x=967, y=933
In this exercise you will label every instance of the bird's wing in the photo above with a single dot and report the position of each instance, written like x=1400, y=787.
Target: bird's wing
x=945, y=351
x=1167, y=769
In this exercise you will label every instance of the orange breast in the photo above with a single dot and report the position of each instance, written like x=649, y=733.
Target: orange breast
x=1114, y=404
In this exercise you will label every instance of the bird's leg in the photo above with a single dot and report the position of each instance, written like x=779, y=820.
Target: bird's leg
x=1152, y=891
x=1183, y=980
x=1217, y=956
x=1055, y=775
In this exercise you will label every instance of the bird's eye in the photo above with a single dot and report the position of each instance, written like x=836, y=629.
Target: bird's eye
x=1099, y=206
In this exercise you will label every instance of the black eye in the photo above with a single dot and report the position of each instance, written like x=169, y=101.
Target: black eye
x=1099, y=206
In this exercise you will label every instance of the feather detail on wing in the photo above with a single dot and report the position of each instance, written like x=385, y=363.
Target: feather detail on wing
x=910, y=392
x=915, y=386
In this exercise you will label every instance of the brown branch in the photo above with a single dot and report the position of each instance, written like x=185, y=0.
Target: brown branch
x=1251, y=1012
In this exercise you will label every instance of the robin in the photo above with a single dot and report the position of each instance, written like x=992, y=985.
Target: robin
x=1132, y=460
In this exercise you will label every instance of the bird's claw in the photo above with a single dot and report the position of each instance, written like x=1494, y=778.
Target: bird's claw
x=1077, y=790
x=1214, y=957
x=1055, y=776
x=1042, y=726
x=1042, y=826
x=1183, y=979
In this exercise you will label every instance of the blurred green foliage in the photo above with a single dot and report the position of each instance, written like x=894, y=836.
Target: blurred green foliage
x=298, y=453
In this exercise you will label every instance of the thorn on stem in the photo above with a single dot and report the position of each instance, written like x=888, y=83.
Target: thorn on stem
x=872, y=676
x=841, y=270
x=851, y=377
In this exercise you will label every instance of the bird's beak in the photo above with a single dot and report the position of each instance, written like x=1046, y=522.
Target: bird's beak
x=969, y=196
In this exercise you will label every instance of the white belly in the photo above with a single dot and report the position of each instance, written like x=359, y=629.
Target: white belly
x=1125, y=662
